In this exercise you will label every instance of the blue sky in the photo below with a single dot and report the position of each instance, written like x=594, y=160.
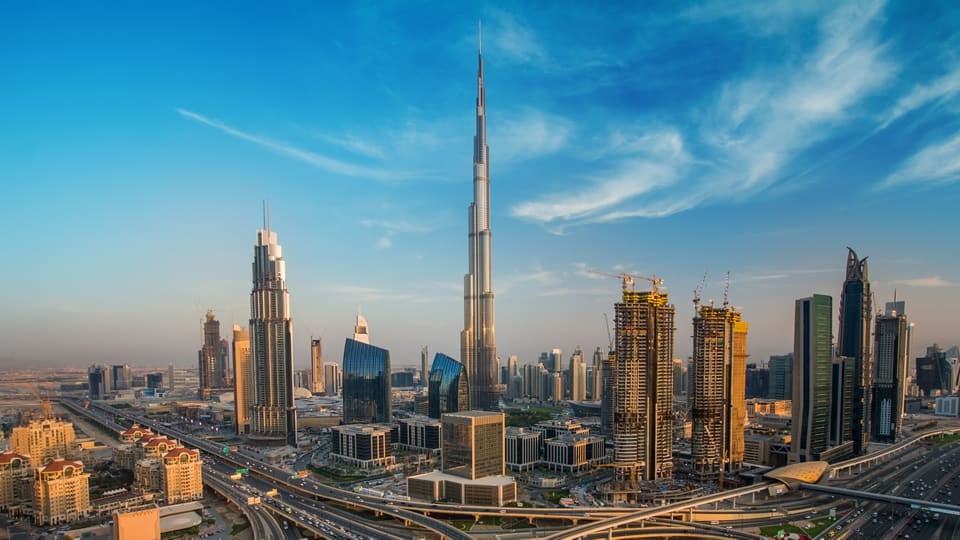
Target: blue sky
x=137, y=142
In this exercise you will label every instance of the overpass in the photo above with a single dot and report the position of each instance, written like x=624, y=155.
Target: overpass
x=262, y=524
x=916, y=504
x=837, y=468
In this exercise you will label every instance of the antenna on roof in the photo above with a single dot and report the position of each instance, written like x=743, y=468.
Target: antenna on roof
x=480, y=37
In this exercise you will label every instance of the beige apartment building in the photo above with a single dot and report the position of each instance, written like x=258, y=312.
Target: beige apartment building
x=183, y=475
x=60, y=492
x=16, y=480
x=44, y=440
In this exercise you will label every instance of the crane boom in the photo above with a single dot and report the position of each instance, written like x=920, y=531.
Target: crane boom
x=628, y=280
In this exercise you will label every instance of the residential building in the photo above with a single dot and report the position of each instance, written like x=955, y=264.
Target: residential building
x=208, y=356
x=242, y=380
x=813, y=355
x=448, y=389
x=316, y=365
x=61, y=492
x=16, y=480
x=578, y=376
x=43, y=440
x=183, y=475
x=366, y=383
x=273, y=417
x=891, y=351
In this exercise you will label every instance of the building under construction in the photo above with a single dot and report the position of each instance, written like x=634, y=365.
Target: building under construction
x=717, y=407
x=643, y=389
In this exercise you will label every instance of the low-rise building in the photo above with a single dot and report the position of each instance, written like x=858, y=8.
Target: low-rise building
x=137, y=523
x=60, y=492
x=494, y=490
x=947, y=406
x=362, y=445
x=761, y=406
x=420, y=433
x=574, y=452
x=522, y=448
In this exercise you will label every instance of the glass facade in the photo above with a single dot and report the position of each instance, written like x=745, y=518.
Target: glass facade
x=366, y=383
x=448, y=390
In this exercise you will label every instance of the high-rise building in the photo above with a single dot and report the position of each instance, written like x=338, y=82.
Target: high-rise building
x=758, y=381
x=853, y=342
x=813, y=357
x=120, y=377
x=608, y=376
x=155, y=381
x=717, y=406
x=60, y=493
x=679, y=378
x=556, y=361
x=43, y=441
x=449, y=390
x=316, y=365
x=424, y=366
x=98, y=380
x=208, y=356
x=366, y=383
x=595, y=383
x=16, y=479
x=478, y=346
x=643, y=392
x=273, y=417
x=578, y=376
x=934, y=373
x=242, y=380
x=224, y=374
x=890, y=353
x=332, y=379
x=183, y=475
x=781, y=376
x=361, y=332
x=473, y=444
x=170, y=383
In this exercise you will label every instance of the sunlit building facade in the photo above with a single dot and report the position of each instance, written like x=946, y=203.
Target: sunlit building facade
x=44, y=440
x=448, y=390
x=60, y=493
x=183, y=475
x=16, y=480
x=242, y=388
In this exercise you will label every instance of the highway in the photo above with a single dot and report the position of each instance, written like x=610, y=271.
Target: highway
x=262, y=524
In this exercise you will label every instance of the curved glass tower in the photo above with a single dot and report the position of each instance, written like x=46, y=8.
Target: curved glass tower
x=366, y=383
x=448, y=391
x=478, y=346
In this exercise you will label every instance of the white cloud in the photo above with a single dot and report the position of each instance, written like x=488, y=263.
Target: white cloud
x=395, y=226
x=933, y=281
x=513, y=39
x=938, y=162
x=940, y=90
x=529, y=133
x=355, y=144
x=383, y=242
x=317, y=160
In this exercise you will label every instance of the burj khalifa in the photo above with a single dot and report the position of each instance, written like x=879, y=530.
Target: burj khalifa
x=478, y=346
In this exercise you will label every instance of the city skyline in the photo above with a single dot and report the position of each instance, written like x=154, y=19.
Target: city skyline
x=598, y=144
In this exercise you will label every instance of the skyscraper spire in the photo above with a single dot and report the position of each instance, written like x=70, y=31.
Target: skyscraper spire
x=477, y=342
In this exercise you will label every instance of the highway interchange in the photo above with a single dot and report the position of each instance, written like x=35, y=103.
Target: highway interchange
x=300, y=500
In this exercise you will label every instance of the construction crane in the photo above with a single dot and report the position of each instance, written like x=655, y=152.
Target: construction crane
x=46, y=409
x=698, y=291
x=629, y=280
x=609, y=337
x=726, y=291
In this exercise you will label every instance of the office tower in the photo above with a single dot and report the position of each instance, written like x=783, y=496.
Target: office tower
x=478, y=346
x=608, y=376
x=812, y=356
x=60, y=493
x=578, y=376
x=717, y=407
x=449, y=389
x=208, y=355
x=120, y=377
x=316, y=365
x=853, y=342
x=273, y=417
x=595, y=386
x=16, y=480
x=366, y=383
x=170, y=383
x=554, y=387
x=182, y=475
x=224, y=377
x=643, y=395
x=98, y=380
x=842, y=396
x=332, y=379
x=155, y=381
x=781, y=376
x=424, y=366
x=403, y=378
x=934, y=373
x=43, y=441
x=758, y=381
x=890, y=353
x=556, y=361
x=361, y=332
x=679, y=377
x=473, y=444
x=242, y=380
x=544, y=360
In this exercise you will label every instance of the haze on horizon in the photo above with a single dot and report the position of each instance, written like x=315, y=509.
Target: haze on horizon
x=760, y=139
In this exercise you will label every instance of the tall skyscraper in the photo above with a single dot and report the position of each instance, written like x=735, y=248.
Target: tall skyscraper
x=578, y=376
x=556, y=361
x=934, y=373
x=891, y=350
x=812, y=358
x=224, y=376
x=361, y=332
x=332, y=379
x=207, y=356
x=596, y=383
x=316, y=365
x=853, y=342
x=717, y=407
x=366, y=383
x=781, y=376
x=169, y=383
x=449, y=390
x=273, y=417
x=120, y=377
x=608, y=376
x=643, y=390
x=424, y=366
x=478, y=346
x=99, y=381
x=242, y=389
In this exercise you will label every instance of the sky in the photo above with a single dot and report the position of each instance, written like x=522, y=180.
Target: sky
x=138, y=141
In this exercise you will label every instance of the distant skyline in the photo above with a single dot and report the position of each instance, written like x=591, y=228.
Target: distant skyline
x=759, y=138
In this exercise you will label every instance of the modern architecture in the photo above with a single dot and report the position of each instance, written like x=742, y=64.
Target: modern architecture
x=316, y=365
x=366, y=383
x=891, y=350
x=812, y=355
x=853, y=345
x=448, y=389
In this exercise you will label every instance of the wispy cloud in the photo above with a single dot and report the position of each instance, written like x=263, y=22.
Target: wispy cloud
x=938, y=162
x=781, y=274
x=395, y=226
x=320, y=161
x=355, y=145
x=530, y=133
x=513, y=38
x=936, y=92
x=384, y=242
x=933, y=281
